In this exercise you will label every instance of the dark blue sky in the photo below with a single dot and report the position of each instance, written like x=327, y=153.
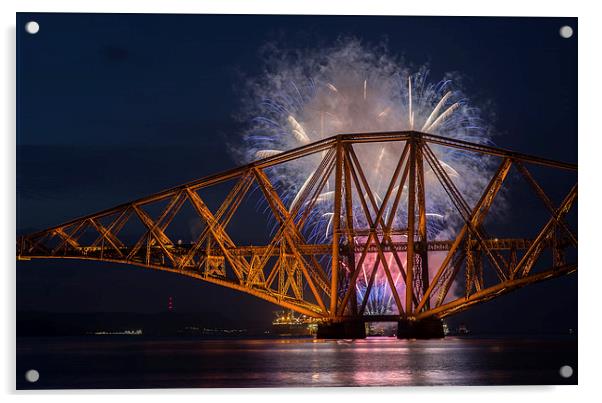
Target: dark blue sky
x=116, y=106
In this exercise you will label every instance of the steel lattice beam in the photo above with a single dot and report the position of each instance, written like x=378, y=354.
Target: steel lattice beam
x=279, y=270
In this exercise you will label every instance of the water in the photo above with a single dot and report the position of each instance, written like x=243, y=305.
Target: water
x=139, y=362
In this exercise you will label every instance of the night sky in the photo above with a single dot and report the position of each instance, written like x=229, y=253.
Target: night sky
x=112, y=107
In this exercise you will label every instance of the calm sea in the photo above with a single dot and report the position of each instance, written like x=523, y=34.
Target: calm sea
x=139, y=362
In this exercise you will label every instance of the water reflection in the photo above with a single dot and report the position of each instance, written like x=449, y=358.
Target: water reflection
x=110, y=362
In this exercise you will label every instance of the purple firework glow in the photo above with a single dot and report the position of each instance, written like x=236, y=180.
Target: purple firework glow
x=307, y=95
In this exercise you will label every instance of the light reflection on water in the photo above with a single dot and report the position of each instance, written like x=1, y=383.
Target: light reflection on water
x=136, y=362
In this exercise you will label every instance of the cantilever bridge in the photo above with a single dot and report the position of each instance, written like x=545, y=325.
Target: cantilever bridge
x=320, y=279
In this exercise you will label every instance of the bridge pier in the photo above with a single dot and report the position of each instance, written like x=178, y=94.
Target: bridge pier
x=342, y=330
x=429, y=328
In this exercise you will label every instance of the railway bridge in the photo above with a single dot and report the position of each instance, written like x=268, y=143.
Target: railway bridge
x=427, y=279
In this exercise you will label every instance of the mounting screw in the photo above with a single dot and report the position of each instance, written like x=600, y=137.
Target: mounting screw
x=566, y=32
x=32, y=27
x=32, y=376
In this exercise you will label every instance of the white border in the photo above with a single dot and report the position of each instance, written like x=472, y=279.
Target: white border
x=348, y=7
x=589, y=149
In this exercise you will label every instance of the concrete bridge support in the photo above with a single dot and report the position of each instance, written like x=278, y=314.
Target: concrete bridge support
x=342, y=330
x=429, y=328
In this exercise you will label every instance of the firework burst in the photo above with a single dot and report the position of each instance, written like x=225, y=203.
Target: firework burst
x=306, y=96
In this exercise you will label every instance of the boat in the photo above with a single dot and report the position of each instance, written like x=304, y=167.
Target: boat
x=288, y=324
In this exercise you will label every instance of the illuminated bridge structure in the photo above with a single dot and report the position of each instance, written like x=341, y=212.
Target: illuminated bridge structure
x=320, y=279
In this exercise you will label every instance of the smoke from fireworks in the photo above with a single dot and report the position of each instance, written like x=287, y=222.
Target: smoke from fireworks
x=307, y=95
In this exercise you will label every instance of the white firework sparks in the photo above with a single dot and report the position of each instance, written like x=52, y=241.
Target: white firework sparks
x=306, y=96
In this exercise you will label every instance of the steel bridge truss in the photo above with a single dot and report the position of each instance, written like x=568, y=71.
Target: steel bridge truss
x=320, y=279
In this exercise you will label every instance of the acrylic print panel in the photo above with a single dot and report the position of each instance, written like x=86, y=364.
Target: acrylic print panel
x=278, y=201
